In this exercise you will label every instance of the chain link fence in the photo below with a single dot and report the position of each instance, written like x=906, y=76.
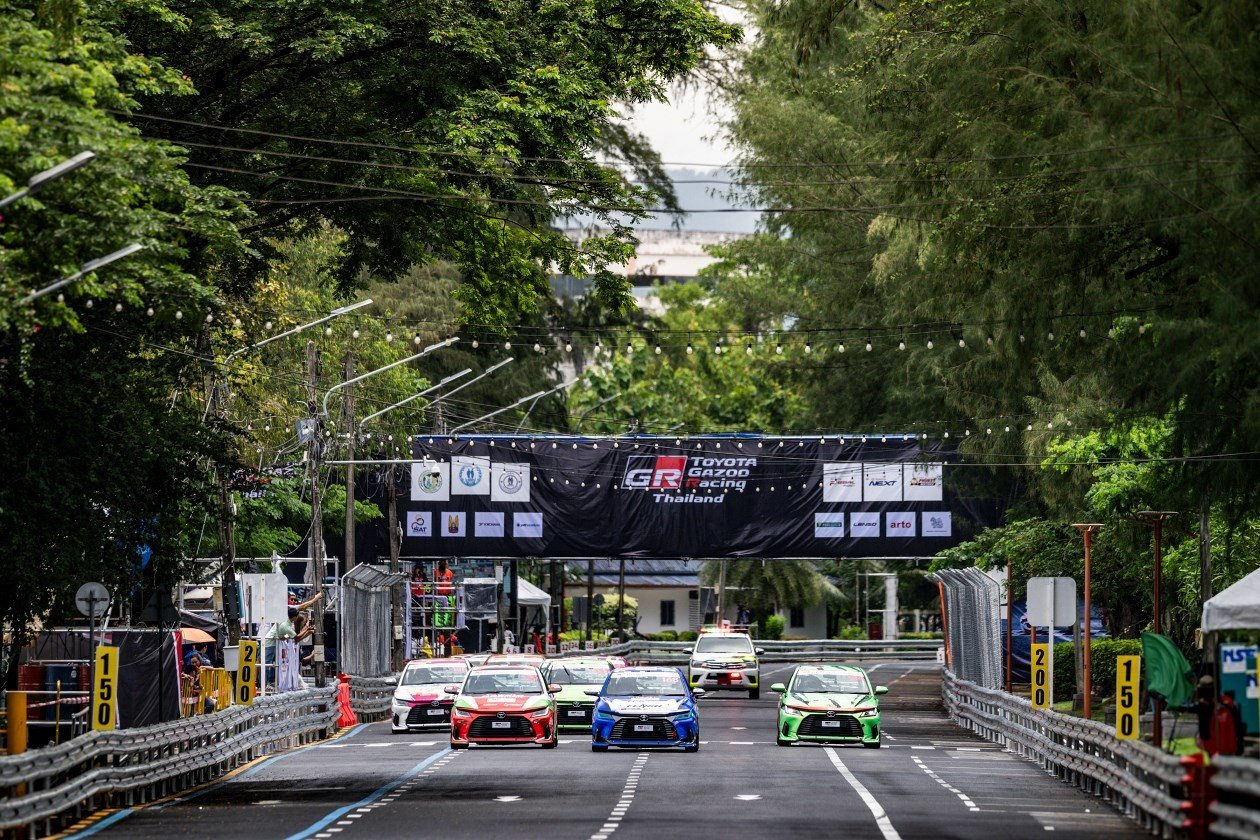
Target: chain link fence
x=366, y=625
x=973, y=625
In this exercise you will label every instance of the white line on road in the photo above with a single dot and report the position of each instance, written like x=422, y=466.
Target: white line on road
x=623, y=804
x=877, y=810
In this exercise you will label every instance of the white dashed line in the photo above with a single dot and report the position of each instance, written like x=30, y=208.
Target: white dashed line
x=877, y=810
x=624, y=802
x=966, y=800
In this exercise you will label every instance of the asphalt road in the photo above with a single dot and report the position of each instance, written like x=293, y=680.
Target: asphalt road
x=930, y=780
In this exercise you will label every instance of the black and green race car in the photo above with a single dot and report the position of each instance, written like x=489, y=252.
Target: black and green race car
x=575, y=676
x=830, y=704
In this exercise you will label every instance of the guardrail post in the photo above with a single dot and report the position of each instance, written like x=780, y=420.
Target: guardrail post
x=1199, y=796
x=15, y=722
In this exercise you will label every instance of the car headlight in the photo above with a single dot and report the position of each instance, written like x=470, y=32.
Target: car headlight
x=792, y=711
x=461, y=714
x=696, y=663
x=868, y=713
x=543, y=712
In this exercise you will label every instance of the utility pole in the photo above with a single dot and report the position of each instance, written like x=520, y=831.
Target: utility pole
x=621, y=599
x=348, y=373
x=314, y=447
x=1205, y=568
x=590, y=599
x=396, y=592
x=721, y=592
x=218, y=387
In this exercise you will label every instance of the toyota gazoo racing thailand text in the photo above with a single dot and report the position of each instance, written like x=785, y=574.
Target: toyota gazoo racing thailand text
x=696, y=479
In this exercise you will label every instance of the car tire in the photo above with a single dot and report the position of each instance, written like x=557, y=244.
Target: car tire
x=693, y=748
x=551, y=745
x=599, y=748
x=872, y=745
x=754, y=693
x=456, y=746
x=783, y=742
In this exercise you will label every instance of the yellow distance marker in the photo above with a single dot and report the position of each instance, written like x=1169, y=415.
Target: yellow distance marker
x=105, y=689
x=1128, y=669
x=1042, y=690
x=247, y=676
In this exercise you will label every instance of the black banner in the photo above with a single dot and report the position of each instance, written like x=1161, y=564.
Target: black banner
x=737, y=496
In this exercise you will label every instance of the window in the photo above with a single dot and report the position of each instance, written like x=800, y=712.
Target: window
x=667, y=613
x=796, y=617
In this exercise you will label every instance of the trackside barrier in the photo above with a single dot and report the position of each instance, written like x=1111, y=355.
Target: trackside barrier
x=1236, y=811
x=370, y=697
x=647, y=652
x=1166, y=794
x=132, y=766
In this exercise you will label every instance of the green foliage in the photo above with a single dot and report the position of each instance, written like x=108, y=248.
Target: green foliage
x=687, y=635
x=850, y=631
x=766, y=586
x=1102, y=665
x=772, y=627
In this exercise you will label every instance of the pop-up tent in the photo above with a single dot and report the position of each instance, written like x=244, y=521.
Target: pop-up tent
x=1235, y=608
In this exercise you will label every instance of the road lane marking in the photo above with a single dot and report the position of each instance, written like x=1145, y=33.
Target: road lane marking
x=748, y=797
x=623, y=803
x=877, y=810
x=966, y=800
x=881, y=816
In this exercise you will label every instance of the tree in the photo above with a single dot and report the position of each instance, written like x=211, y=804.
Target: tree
x=766, y=586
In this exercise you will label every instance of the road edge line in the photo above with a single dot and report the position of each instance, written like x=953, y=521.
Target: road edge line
x=877, y=810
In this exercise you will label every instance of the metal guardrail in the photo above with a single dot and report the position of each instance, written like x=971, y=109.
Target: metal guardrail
x=44, y=788
x=370, y=697
x=1237, y=806
x=1154, y=788
x=648, y=652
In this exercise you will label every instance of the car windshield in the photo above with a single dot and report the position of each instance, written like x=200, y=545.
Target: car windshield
x=503, y=682
x=823, y=682
x=430, y=674
x=724, y=644
x=655, y=685
x=585, y=674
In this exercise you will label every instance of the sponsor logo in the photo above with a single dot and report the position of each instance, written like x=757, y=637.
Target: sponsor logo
x=864, y=525
x=419, y=523
x=470, y=475
x=510, y=481
x=828, y=525
x=527, y=526
x=900, y=524
x=698, y=476
x=488, y=524
x=431, y=483
x=453, y=523
x=937, y=524
x=881, y=482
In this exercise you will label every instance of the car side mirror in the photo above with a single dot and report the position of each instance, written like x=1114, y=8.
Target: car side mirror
x=697, y=692
x=779, y=688
x=554, y=688
x=451, y=689
x=759, y=651
x=881, y=689
x=590, y=692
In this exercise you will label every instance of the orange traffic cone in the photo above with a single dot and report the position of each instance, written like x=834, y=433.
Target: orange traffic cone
x=343, y=703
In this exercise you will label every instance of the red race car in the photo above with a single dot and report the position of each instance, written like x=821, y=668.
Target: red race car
x=504, y=704
x=420, y=701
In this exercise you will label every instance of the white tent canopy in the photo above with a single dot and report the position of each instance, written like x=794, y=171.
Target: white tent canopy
x=1235, y=608
x=528, y=595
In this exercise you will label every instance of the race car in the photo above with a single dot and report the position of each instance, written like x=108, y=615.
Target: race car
x=475, y=659
x=829, y=703
x=725, y=661
x=419, y=700
x=575, y=677
x=646, y=707
x=503, y=704
x=537, y=660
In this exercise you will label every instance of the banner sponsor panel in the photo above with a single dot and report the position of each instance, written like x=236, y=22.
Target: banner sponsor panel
x=567, y=497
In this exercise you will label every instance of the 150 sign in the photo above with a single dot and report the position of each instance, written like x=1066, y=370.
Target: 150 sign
x=105, y=689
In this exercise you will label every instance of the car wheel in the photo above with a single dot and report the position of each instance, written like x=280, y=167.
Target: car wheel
x=754, y=693
x=599, y=748
x=456, y=746
x=872, y=745
x=551, y=745
x=693, y=748
x=783, y=742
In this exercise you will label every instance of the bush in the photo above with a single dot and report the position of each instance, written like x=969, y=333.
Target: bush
x=1102, y=665
x=663, y=636
x=688, y=635
x=772, y=627
x=920, y=636
x=850, y=632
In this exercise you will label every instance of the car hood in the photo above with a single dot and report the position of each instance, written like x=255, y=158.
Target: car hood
x=502, y=702
x=576, y=694
x=830, y=701
x=646, y=705
x=724, y=657
x=422, y=693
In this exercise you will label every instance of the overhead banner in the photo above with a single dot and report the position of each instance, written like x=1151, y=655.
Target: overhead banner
x=569, y=497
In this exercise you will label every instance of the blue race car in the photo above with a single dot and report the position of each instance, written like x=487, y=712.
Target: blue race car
x=646, y=707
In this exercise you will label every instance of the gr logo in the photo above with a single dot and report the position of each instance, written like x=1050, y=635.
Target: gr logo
x=647, y=472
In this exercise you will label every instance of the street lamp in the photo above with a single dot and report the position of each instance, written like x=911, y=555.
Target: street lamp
x=336, y=313
x=1155, y=519
x=416, y=396
x=521, y=401
x=426, y=351
x=86, y=268
x=40, y=180
x=1087, y=531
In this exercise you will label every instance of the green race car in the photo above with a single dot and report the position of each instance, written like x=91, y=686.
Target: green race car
x=574, y=676
x=829, y=704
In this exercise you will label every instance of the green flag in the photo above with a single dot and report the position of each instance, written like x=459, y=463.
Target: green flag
x=1168, y=674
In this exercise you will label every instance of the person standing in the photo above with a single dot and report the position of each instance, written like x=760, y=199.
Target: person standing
x=444, y=585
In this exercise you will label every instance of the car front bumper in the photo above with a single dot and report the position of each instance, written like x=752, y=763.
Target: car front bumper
x=522, y=729
x=838, y=728
x=721, y=679
x=665, y=731
x=405, y=717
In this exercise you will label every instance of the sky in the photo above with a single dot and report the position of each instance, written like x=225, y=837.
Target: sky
x=686, y=130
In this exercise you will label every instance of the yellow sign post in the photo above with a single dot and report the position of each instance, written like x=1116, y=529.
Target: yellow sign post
x=1128, y=669
x=1042, y=688
x=105, y=688
x=248, y=674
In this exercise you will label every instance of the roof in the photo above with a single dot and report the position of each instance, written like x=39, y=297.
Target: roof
x=1236, y=607
x=641, y=572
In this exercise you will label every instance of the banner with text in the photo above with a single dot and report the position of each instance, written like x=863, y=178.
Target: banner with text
x=569, y=497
